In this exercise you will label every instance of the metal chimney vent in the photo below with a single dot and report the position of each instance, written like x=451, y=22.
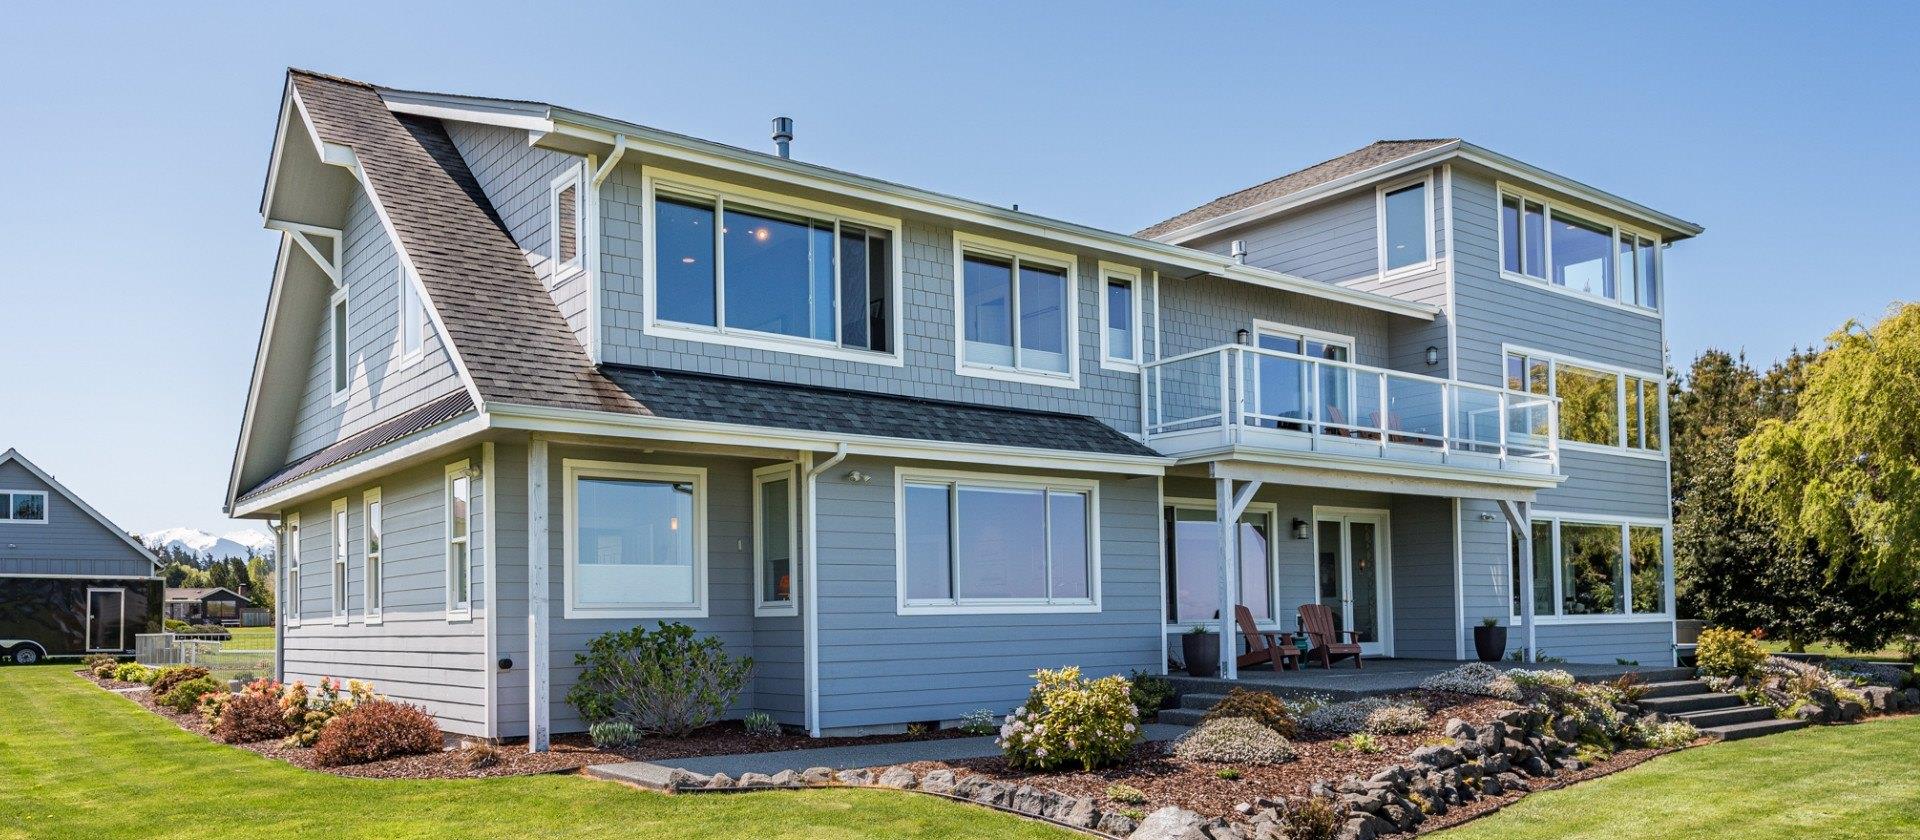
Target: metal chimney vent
x=1239, y=250
x=782, y=134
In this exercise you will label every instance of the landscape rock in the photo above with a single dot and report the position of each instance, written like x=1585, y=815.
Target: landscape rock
x=755, y=780
x=817, y=775
x=683, y=780
x=1460, y=730
x=896, y=777
x=720, y=781
x=1169, y=823
x=1028, y=799
x=1081, y=814
x=1357, y=829
x=859, y=777
x=1121, y=825
x=938, y=781
x=788, y=778
x=1437, y=756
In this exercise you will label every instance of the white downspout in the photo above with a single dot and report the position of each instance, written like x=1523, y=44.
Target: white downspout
x=810, y=592
x=279, y=529
x=592, y=226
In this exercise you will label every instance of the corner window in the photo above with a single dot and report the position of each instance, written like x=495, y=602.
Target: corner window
x=290, y=599
x=1589, y=568
x=996, y=544
x=1405, y=215
x=338, y=332
x=1542, y=241
x=635, y=540
x=755, y=271
x=1120, y=335
x=372, y=530
x=567, y=201
x=1015, y=310
x=459, y=492
x=1598, y=406
x=23, y=507
x=339, y=588
x=775, y=538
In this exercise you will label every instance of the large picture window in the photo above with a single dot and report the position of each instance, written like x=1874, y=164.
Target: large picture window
x=1594, y=568
x=1598, y=406
x=1542, y=241
x=775, y=540
x=1016, y=312
x=635, y=540
x=753, y=269
x=23, y=507
x=997, y=544
x=1193, y=563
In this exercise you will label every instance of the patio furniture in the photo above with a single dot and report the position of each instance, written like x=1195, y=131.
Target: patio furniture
x=1269, y=646
x=1317, y=620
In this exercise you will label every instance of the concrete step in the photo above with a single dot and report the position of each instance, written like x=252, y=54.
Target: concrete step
x=1726, y=717
x=1182, y=717
x=1200, y=700
x=1690, y=703
x=1676, y=688
x=1755, y=729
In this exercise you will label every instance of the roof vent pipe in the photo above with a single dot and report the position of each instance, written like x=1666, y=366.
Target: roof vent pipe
x=1239, y=251
x=782, y=134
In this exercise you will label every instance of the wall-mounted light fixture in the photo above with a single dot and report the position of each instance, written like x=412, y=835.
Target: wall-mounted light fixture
x=1486, y=517
x=1242, y=337
x=858, y=477
x=1300, y=531
x=1433, y=356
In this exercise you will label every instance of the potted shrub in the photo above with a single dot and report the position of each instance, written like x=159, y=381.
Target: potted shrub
x=1490, y=640
x=1200, y=649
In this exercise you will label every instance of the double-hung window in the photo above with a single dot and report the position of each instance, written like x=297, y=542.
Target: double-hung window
x=290, y=599
x=1405, y=214
x=1545, y=242
x=566, y=221
x=338, y=335
x=775, y=540
x=23, y=507
x=758, y=271
x=1583, y=566
x=997, y=543
x=635, y=540
x=413, y=315
x=339, y=566
x=372, y=529
x=459, y=506
x=1016, y=312
x=1120, y=334
x=1599, y=405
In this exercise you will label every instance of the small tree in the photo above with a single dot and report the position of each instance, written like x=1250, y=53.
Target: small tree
x=665, y=682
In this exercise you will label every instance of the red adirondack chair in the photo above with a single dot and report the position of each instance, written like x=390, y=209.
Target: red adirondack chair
x=1325, y=642
x=1266, y=646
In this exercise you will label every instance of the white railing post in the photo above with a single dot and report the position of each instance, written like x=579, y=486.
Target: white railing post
x=1449, y=399
x=1146, y=425
x=1226, y=397
x=1386, y=412
x=1239, y=393
x=1316, y=404
x=1505, y=420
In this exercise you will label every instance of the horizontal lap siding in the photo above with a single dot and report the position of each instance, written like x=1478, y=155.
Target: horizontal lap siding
x=414, y=654
x=70, y=542
x=1422, y=564
x=1646, y=643
x=1621, y=485
x=878, y=667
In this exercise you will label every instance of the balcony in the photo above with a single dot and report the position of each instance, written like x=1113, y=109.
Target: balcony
x=1238, y=399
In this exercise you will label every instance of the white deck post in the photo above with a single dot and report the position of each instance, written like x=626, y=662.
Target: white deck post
x=1518, y=518
x=539, y=727
x=1228, y=505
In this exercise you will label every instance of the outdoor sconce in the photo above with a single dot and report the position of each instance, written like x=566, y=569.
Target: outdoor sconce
x=858, y=477
x=1433, y=356
x=1486, y=517
x=1300, y=529
x=1242, y=337
x=506, y=664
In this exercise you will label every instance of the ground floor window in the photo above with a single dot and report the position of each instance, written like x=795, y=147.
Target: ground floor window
x=1583, y=567
x=775, y=536
x=997, y=542
x=635, y=540
x=1193, y=562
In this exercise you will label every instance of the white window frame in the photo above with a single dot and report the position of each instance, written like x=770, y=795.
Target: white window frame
x=1132, y=276
x=1274, y=535
x=290, y=598
x=373, y=589
x=1425, y=180
x=567, y=269
x=1622, y=298
x=337, y=536
x=654, y=182
x=571, y=472
x=339, y=337
x=964, y=244
x=46, y=507
x=996, y=606
x=458, y=609
x=1620, y=376
x=1626, y=525
x=764, y=476
x=408, y=289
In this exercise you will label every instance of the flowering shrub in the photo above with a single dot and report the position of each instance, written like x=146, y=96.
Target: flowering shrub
x=1343, y=718
x=1233, y=741
x=1397, y=719
x=1258, y=706
x=1728, y=653
x=980, y=722
x=307, y=714
x=374, y=730
x=1535, y=679
x=1071, y=720
x=1474, y=678
x=1662, y=736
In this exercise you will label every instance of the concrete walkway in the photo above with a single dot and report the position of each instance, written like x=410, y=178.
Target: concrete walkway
x=837, y=758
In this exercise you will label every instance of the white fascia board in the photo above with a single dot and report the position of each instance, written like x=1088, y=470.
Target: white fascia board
x=347, y=472
x=1373, y=466
x=575, y=421
x=505, y=113
x=1601, y=198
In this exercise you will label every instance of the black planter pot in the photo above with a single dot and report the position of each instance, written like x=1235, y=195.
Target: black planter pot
x=1490, y=643
x=1201, y=652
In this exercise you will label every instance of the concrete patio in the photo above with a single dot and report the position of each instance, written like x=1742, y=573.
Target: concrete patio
x=1391, y=676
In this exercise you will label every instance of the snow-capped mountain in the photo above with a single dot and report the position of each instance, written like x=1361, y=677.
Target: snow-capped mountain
x=209, y=547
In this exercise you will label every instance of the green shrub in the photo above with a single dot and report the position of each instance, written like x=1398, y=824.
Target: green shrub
x=1397, y=719
x=1360, y=742
x=308, y=713
x=166, y=678
x=1315, y=818
x=1227, y=773
x=1728, y=653
x=1258, y=706
x=1068, y=720
x=104, y=668
x=1234, y=740
x=1151, y=693
x=760, y=723
x=980, y=722
x=376, y=730
x=663, y=682
x=1126, y=794
x=609, y=734
x=1664, y=736
x=174, y=625
x=132, y=672
x=184, y=696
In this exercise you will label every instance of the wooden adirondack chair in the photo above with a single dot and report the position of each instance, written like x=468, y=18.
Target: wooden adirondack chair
x=1325, y=642
x=1266, y=646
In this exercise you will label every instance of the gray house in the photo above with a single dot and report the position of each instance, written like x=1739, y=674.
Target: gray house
x=530, y=374
x=71, y=582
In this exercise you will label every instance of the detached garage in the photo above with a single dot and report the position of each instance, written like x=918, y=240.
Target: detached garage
x=71, y=582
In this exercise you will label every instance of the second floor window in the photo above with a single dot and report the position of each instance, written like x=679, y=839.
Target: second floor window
x=1542, y=241
x=1120, y=338
x=1406, y=226
x=1015, y=312
x=338, y=327
x=23, y=506
x=413, y=314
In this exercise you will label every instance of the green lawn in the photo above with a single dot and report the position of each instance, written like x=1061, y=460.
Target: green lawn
x=1888, y=655
x=1824, y=782
x=251, y=638
x=78, y=762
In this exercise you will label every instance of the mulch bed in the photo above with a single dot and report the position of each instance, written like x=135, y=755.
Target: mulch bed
x=568, y=752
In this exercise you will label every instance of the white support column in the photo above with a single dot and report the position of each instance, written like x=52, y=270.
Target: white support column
x=539, y=727
x=1228, y=505
x=1520, y=520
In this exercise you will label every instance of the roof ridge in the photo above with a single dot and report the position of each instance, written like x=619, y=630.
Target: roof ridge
x=315, y=74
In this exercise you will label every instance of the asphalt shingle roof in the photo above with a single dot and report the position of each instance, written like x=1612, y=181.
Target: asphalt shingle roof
x=1359, y=160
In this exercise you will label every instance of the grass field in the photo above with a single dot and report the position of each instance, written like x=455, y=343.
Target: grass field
x=1824, y=782
x=78, y=762
x=251, y=638
x=1888, y=655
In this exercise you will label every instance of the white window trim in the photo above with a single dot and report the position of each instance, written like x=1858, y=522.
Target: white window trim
x=568, y=269
x=966, y=243
x=766, y=475
x=407, y=282
x=372, y=563
x=653, y=181
x=1619, y=300
x=1625, y=524
x=290, y=598
x=457, y=610
x=46, y=507
x=1323, y=336
x=339, y=351
x=1274, y=536
x=339, y=527
x=571, y=472
x=1006, y=606
x=1111, y=271
x=1425, y=179
x=1620, y=376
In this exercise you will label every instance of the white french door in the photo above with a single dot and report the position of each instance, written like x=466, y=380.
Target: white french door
x=1352, y=569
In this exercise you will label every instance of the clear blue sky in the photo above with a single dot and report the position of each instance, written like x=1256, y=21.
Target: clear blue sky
x=135, y=143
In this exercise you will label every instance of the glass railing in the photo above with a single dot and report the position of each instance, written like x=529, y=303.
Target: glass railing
x=1249, y=396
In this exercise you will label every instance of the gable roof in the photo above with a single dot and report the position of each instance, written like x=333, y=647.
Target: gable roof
x=1377, y=154
x=14, y=456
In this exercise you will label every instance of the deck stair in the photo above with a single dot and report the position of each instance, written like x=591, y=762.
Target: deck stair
x=1712, y=712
